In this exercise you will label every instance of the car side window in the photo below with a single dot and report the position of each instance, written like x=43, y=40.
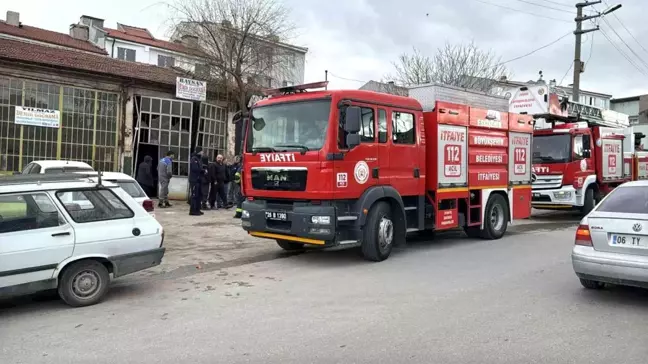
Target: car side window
x=35, y=169
x=94, y=205
x=578, y=147
x=367, y=134
x=382, y=126
x=403, y=128
x=28, y=211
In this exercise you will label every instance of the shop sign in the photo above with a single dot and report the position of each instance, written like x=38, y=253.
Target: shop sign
x=37, y=117
x=189, y=89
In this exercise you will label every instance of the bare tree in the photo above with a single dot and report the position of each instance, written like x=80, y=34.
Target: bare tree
x=460, y=65
x=241, y=41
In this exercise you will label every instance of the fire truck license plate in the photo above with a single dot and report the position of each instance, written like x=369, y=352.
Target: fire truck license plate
x=280, y=216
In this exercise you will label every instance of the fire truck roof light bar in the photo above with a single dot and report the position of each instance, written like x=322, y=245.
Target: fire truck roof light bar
x=295, y=89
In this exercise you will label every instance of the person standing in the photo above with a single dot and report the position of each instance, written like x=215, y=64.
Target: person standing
x=145, y=176
x=231, y=191
x=218, y=176
x=204, y=183
x=165, y=172
x=238, y=196
x=196, y=172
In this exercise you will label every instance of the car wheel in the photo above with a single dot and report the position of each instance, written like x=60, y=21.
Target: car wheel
x=589, y=202
x=495, y=218
x=378, y=233
x=290, y=246
x=83, y=283
x=590, y=284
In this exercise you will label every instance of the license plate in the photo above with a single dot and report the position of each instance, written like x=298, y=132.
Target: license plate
x=630, y=241
x=280, y=216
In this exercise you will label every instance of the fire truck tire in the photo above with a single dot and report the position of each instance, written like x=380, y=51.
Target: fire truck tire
x=378, y=233
x=290, y=246
x=588, y=202
x=495, y=218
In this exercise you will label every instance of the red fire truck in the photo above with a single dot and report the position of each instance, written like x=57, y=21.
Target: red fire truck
x=580, y=152
x=360, y=168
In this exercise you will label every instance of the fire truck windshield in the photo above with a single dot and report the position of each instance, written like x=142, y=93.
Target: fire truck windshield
x=554, y=148
x=288, y=126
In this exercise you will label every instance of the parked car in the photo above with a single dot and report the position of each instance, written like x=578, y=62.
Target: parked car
x=50, y=242
x=611, y=244
x=56, y=166
x=130, y=185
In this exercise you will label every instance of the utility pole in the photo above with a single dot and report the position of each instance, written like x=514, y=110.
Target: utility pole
x=579, y=67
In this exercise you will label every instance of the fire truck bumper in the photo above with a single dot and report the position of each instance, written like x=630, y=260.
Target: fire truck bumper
x=561, y=198
x=317, y=225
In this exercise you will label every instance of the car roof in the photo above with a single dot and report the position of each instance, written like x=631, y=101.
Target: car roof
x=44, y=182
x=60, y=163
x=642, y=183
x=111, y=176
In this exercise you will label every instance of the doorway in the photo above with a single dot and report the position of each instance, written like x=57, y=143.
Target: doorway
x=152, y=151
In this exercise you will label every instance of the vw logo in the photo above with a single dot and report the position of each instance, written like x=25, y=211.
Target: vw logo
x=637, y=227
x=534, y=177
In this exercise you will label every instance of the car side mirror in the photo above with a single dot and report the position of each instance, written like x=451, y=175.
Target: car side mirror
x=352, y=120
x=352, y=140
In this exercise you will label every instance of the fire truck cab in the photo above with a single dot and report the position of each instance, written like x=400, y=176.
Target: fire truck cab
x=345, y=168
x=580, y=152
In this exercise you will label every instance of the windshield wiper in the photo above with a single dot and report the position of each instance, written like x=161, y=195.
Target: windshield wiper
x=263, y=150
x=302, y=147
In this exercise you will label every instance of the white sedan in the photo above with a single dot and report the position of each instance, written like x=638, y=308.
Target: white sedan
x=611, y=244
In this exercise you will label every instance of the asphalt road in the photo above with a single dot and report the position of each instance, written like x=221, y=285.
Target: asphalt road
x=515, y=300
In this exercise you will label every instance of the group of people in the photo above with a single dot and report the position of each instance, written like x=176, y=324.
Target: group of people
x=212, y=185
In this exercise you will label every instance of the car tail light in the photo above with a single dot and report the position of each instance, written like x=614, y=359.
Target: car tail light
x=583, y=236
x=148, y=205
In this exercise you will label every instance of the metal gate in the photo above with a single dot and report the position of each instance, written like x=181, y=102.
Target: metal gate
x=212, y=129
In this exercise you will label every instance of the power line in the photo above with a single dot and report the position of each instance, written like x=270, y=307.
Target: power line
x=625, y=43
x=345, y=78
x=537, y=49
x=571, y=64
x=626, y=29
x=545, y=6
x=622, y=53
x=591, y=49
x=524, y=12
x=557, y=3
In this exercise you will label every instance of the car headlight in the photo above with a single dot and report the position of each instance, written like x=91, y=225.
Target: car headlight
x=245, y=214
x=562, y=195
x=321, y=220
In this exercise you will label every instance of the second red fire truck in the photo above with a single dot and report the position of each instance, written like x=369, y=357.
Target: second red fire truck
x=358, y=168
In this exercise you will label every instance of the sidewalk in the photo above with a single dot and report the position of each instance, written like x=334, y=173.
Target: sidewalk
x=215, y=237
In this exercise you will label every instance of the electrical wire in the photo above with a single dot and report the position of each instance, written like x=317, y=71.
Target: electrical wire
x=626, y=29
x=625, y=43
x=345, y=78
x=545, y=6
x=591, y=49
x=571, y=64
x=557, y=3
x=524, y=12
x=622, y=53
x=535, y=50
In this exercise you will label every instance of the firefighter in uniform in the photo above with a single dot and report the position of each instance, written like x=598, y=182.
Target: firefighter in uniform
x=238, y=196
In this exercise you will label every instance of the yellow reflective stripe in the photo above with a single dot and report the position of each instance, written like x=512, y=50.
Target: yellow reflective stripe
x=287, y=237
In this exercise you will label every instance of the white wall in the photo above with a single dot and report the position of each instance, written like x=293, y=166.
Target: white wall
x=628, y=107
x=149, y=55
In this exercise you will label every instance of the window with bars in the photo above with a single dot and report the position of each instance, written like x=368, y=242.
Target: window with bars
x=167, y=124
x=88, y=128
x=212, y=129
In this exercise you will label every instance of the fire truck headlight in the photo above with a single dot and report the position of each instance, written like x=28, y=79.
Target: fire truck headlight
x=321, y=220
x=562, y=195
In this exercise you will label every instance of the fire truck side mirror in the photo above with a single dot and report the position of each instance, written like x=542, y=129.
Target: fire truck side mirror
x=352, y=140
x=352, y=120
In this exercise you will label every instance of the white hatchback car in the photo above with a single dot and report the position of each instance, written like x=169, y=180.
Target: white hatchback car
x=48, y=241
x=56, y=166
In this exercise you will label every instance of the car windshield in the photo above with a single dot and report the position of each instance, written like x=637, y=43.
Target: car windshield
x=629, y=200
x=288, y=126
x=552, y=148
x=131, y=187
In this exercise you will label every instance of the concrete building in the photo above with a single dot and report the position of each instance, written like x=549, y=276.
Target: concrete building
x=385, y=87
x=104, y=111
x=635, y=106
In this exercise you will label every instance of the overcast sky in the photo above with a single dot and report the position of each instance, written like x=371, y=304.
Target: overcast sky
x=356, y=40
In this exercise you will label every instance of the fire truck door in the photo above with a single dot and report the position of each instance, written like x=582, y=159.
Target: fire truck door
x=404, y=164
x=359, y=168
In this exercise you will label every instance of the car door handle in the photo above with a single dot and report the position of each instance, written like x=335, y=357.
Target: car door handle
x=61, y=234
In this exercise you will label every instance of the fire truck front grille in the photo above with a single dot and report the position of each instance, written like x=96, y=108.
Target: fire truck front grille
x=547, y=182
x=279, y=179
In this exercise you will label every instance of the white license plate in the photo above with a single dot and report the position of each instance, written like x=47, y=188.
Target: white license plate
x=280, y=216
x=630, y=241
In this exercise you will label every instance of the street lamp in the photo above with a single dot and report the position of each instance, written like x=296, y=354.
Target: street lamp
x=609, y=10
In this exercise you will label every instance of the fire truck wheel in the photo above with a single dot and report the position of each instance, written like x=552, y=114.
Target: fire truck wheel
x=495, y=218
x=378, y=233
x=589, y=202
x=290, y=246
